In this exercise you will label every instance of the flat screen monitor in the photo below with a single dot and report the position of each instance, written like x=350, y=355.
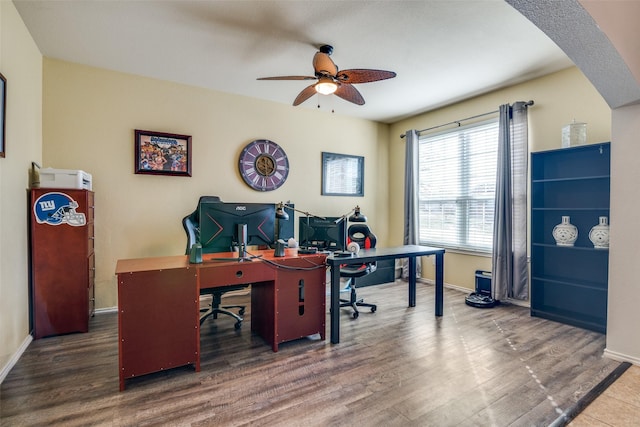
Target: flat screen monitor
x=219, y=223
x=327, y=234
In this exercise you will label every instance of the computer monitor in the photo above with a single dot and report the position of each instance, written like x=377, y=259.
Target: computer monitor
x=326, y=234
x=222, y=225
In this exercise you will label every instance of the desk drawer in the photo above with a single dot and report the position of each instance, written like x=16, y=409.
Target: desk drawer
x=212, y=275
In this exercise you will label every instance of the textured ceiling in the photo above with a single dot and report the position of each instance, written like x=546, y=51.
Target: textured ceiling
x=619, y=21
x=442, y=51
x=607, y=55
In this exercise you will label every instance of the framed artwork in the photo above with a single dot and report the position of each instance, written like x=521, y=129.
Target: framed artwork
x=158, y=153
x=342, y=175
x=3, y=114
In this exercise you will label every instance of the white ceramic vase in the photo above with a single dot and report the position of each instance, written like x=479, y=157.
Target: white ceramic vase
x=599, y=234
x=565, y=233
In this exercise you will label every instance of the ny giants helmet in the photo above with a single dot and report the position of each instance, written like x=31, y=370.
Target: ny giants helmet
x=57, y=208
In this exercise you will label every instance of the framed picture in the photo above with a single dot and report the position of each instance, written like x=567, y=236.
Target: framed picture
x=342, y=175
x=3, y=114
x=160, y=153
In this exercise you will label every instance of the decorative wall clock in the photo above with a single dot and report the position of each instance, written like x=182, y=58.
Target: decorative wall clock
x=264, y=165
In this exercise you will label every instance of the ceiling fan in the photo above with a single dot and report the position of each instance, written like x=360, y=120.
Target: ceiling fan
x=330, y=80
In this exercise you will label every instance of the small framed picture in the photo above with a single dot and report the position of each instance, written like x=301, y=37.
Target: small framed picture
x=158, y=153
x=3, y=114
x=342, y=175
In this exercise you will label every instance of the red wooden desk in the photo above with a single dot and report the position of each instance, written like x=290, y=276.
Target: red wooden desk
x=158, y=304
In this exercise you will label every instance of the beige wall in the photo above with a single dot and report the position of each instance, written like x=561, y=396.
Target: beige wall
x=21, y=65
x=559, y=98
x=89, y=120
x=623, y=314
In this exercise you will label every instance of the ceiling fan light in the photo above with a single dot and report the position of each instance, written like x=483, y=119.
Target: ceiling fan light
x=326, y=86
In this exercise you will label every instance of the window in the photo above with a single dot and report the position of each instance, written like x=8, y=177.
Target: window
x=457, y=182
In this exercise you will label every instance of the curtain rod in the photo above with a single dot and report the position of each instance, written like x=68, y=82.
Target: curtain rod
x=527, y=104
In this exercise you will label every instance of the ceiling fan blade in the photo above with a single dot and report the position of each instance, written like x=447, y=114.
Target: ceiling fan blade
x=349, y=93
x=362, y=75
x=306, y=93
x=323, y=65
x=288, y=78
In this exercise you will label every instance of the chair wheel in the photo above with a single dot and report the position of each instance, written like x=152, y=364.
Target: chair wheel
x=373, y=309
x=237, y=325
x=355, y=314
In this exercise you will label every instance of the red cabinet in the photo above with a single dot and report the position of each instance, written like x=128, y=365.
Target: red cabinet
x=300, y=299
x=292, y=305
x=62, y=260
x=158, y=316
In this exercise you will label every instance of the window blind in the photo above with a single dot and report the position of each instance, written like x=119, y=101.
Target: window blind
x=342, y=174
x=457, y=181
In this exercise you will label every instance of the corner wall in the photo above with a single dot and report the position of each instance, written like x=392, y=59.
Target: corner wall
x=624, y=298
x=21, y=65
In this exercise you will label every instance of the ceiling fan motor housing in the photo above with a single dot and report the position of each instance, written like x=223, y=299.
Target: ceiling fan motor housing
x=325, y=48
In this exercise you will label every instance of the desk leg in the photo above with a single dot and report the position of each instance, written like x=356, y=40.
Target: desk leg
x=412, y=281
x=335, y=304
x=439, y=283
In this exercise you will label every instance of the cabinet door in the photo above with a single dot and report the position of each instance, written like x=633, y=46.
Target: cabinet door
x=300, y=302
x=158, y=325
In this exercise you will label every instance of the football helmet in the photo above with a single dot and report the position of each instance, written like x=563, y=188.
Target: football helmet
x=56, y=208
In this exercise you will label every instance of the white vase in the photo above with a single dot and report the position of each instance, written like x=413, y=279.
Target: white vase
x=565, y=233
x=599, y=234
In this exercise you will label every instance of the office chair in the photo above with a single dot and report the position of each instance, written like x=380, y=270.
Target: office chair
x=363, y=236
x=191, y=224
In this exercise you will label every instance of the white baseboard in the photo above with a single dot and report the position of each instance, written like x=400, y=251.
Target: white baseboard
x=446, y=285
x=467, y=291
x=239, y=292
x=106, y=310
x=458, y=288
x=621, y=357
x=14, y=359
x=519, y=302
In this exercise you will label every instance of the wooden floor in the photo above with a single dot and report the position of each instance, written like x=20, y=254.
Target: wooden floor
x=396, y=367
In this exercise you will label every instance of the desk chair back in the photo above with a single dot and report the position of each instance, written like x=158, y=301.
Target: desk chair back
x=362, y=235
x=191, y=222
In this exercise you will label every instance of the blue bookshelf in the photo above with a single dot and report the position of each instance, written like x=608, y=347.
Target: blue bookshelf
x=569, y=283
